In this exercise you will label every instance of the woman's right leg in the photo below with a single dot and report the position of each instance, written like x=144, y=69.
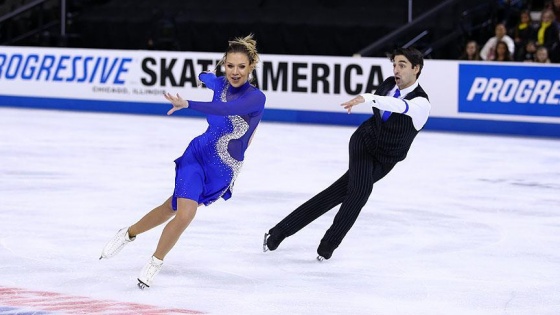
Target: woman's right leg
x=186, y=210
x=155, y=217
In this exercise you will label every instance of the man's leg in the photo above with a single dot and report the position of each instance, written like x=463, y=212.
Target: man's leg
x=363, y=173
x=308, y=212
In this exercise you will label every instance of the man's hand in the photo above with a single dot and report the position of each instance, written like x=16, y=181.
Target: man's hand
x=353, y=102
x=177, y=102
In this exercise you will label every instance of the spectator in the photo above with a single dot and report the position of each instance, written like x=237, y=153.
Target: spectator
x=548, y=35
x=471, y=52
x=542, y=55
x=524, y=30
x=502, y=52
x=508, y=12
x=554, y=5
x=489, y=49
x=527, y=52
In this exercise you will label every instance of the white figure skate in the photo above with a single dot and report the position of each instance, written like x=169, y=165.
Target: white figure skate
x=115, y=245
x=148, y=273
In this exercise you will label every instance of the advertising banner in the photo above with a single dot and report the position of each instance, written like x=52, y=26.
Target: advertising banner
x=510, y=90
x=508, y=98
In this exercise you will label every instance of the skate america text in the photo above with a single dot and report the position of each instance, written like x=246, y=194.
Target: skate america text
x=270, y=76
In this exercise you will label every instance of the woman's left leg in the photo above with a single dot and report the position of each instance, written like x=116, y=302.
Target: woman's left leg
x=155, y=217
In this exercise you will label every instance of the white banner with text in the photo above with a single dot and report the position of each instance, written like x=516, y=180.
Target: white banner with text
x=509, y=98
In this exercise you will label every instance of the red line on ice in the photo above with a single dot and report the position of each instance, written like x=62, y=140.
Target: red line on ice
x=51, y=301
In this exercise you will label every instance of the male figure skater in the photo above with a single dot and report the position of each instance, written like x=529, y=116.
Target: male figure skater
x=400, y=110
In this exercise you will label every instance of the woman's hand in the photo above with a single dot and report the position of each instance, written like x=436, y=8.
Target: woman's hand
x=353, y=102
x=177, y=102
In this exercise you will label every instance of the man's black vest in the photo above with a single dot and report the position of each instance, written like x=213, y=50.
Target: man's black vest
x=390, y=141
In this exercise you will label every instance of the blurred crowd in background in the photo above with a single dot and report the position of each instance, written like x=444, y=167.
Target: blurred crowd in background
x=520, y=34
x=491, y=30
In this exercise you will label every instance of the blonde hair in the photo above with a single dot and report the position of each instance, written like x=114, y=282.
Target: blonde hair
x=246, y=45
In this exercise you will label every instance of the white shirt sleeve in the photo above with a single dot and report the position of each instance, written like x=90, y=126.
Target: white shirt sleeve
x=511, y=44
x=486, y=48
x=417, y=108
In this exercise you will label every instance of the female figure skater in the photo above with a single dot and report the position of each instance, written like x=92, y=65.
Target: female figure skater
x=211, y=162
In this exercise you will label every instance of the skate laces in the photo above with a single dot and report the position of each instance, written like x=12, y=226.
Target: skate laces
x=115, y=245
x=154, y=268
x=150, y=270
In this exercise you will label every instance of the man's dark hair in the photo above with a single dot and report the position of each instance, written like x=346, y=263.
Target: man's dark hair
x=412, y=54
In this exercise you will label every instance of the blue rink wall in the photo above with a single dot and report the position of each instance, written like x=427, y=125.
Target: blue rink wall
x=509, y=99
x=289, y=116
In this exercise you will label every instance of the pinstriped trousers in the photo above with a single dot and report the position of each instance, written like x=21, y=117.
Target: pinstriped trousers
x=351, y=191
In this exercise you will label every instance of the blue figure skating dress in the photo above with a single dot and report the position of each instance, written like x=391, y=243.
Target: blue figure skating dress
x=208, y=168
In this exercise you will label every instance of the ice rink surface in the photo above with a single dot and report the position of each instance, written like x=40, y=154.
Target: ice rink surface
x=466, y=225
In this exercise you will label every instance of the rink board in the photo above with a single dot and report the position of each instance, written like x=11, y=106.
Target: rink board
x=484, y=97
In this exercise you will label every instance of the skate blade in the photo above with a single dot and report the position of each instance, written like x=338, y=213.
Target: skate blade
x=142, y=285
x=265, y=248
x=320, y=258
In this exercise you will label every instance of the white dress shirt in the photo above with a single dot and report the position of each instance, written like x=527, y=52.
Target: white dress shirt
x=417, y=108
